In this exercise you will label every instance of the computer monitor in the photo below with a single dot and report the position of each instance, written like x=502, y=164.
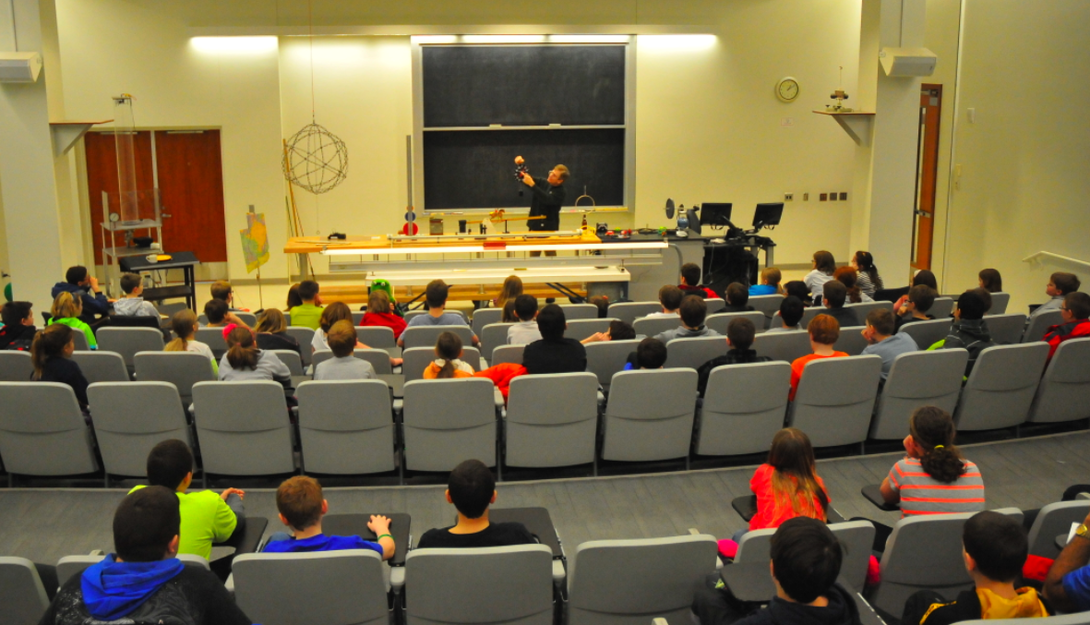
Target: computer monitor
x=767, y=215
x=715, y=214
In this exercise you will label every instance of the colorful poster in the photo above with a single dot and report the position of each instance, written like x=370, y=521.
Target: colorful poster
x=255, y=241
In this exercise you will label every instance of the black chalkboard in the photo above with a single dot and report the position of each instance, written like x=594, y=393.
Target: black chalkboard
x=475, y=168
x=523, y=85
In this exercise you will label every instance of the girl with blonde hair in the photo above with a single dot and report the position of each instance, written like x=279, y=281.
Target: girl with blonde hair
x=66, y=310
x=184, y=324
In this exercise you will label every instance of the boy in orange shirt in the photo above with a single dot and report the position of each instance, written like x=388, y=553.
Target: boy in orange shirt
x=824, y=332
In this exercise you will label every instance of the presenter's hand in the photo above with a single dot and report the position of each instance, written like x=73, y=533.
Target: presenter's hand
x=519, y=160
x=527, y=180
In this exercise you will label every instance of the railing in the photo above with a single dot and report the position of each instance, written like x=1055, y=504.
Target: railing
x=1042, y=256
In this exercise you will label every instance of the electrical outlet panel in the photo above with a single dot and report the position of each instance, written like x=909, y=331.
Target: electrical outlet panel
x=788, y=197
x=832, y=196
x=843, y=196
x=805, y=197
x=824, y=197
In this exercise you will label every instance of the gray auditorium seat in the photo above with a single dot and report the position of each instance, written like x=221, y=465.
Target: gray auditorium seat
x=999, y=303
x=720, y=321
x=1064, y=391
x=604, y=358
x=580, y=329
x=851, y=340
x=916, y=379
x=42, y=431
x=648, y=416
x=629, y=312
x=379, y=359
x=22, y=595
x=15, y=366
x=1006, y=329
x=130, y=418
x=743, y=408
x=1053, y=520
x=376, y=337
x=243, y=427
x=128, y=341
x=426, y=336
x=650, y=326
x=101, y=366
x=182, y=369
x=447, y=421
x=829, y=411
x=485, y=316
x=417, y=359
x=1001, y=387
x=346, y=426
x=1040, y=324
x=694, y=352
x=507, y=354
x=552, y=420
x=492, y=336
x=927, y=333
x=785, y=346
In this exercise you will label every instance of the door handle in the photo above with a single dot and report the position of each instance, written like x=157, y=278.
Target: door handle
x=921, y=213
x=165, y=215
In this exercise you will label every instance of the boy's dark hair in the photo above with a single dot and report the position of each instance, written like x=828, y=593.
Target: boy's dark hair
x=299, y=499
x=75, y=275
x=670, y=297
x=602, y=302
x=806, y=558
x=882, y=321
x=925, y=276
x=342, y=338
x=737, y=294
x=13, y=313
x=551, y=322
x=741, y=331
x=651, y=354
x=997, y=543
x=986, y=297
x=129, y=282
x=215, y=310
x=690, y=274
x=525, y=307
x=799, y=289
x=791, y=310
x=1066, y=282
x=923, y=297
x=991, y=280
x=144, y=524
x=435, y=294
x=308, y=290
x=971, y=305
x=835, y=292
x=693, y=310
x=471, y=487
x=168, y=463
x=621, y=330
x=1078, y=303
x=220, y=289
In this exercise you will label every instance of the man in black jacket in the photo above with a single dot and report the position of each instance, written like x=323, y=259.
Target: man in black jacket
x=81, y=284
x=740, y=333
x=806, y=559
x=547, y=196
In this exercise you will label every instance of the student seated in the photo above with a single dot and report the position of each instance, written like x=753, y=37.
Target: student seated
x=770, y=283
x=791, y=311
x=690, y=282
x=18, y=331
x=133, y=304
x=448, y=363
x=787, y=484
x=207, y=517
x=219, y=316
x=693, y=311
x=293, y=297
x=994, y=548
x=51, y=355
x=617, y=331
x=806, y=559
x=969, y=329
x=471, y=488
x=143, y=582
x=526, y=330
x=670, y=297
x=308, y=313
x=850, y=279
x=184, y=324
x=301, y=506
x=823, y=267
x=737, y=298
x=834, y=296
x=380, y=313
x=740, y=333
x=222, y=289
x=343, y=365
x=919, y=300
x=799, y=289
x=991, y=280
x=337, y=311
x=1067, y=585
x=824, y=333
x=272, y=332
x=1075, y=311
x=244, y=361
x=554, y=353
x=512, y=288
x=82, y=286
x=868, y=279
x=922, y=277
x=1059, y=285
x=882, y=341
x=435, y=295
x=602, y=303
x=68, y=311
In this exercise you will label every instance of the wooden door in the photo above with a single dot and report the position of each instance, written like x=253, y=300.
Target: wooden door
x=191, y=190
x=927, y=164
x=102, y=176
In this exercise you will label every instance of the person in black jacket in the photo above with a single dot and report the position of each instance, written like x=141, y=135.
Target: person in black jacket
x=18, y=331
x=81, y=284
x=51, y=354
x=547, y=196
x=806, y=559
x=835, y=294
x=740, y=333
x=554, y=353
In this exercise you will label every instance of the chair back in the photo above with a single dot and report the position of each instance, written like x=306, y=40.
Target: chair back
x=1040, y=324
x=447, y=421
x=213, y=338
x=714, y=304
x=999, y=303
x=379, y=359
x=485, y=316
x=1006, y=329
x=862, y=309
x=510, y=585
x=924, y=553
x=743, y=408
x=629, y=312
x=42, y=431
x=1064, y=392
x=182, y=369
x=808, y=315
x=720, y=321
x=80, y=340
x=346, y=426
x=377, y=337
x=1001, y=387
x=1053, y=520
x=694, y=352
x=507, y=354
x=341, y=587
x=357, y=316
x=128, y=341
x=916, y=379
x=649, y=415
x=302, y=334
x=943, y=308
x=855, y=537
x=768, y=305
x=416, y=360
x=22, y=596
x=785, y=346
x=927, y=333
x=422, y=311
x=604, y=358
x=292, y=359
x=580, y=329
x=15, y=366
x=243, y=427
x=579, y=311
x=633, y=581
x=68, y=566
x=426, y=336
x=130, y=418
x=494, y=335
x=552, y=419
x=650, y=326
x=101, y=366
x=830, y=411
x=851, y=341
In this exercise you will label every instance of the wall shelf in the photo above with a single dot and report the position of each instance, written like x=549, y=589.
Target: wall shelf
x=858, y=124
x=67, y=133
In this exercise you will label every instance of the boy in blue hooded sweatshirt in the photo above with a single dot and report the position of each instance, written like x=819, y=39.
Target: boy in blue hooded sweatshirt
x=143, y=582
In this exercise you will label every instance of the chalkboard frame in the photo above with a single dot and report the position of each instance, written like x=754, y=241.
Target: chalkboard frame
x=419, y=130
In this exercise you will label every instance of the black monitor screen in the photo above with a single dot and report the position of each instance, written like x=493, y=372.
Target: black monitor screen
x=715, y=215
x=768, y=214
